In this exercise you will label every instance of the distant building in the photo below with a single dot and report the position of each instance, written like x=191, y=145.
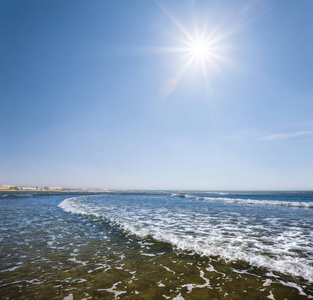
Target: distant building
x=27, y=188
x=55, y=188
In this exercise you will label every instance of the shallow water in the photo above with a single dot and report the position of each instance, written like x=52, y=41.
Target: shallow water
x=156, y=246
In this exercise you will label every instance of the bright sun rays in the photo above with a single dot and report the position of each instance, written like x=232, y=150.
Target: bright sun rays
x=200, y=50
x=206, y=49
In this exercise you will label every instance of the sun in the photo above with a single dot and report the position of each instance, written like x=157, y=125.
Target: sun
x=204, y=47
x=200, y=50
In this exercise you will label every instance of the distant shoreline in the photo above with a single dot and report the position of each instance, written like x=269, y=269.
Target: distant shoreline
x=157, y=191
x=54, y=191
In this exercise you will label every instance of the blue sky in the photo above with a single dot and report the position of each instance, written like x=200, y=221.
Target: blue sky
x=95, y=94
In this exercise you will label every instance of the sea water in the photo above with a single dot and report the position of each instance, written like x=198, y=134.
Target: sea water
x=156, y=245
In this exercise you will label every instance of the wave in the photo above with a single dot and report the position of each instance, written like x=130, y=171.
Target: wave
x=231, y=241
x=177, y=195
x=295, y=204
x=15, y=195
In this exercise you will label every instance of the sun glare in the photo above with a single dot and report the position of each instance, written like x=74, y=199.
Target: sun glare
x=204, y=47
x=200, y=50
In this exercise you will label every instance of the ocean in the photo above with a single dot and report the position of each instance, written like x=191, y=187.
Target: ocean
x=156, y=245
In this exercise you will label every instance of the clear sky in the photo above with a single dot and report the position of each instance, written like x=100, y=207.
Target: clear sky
x=157, y=94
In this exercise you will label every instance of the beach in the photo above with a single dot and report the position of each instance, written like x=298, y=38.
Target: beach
x=156, y=245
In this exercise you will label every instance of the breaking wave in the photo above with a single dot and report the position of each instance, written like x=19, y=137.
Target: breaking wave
x=230, y=236
x=247, y=201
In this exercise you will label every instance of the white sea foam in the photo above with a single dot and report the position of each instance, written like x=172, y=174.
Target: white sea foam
x=69, y=297
x=179, y=297
x=294, y=285
x=10, y=270
x=113, y=290
x=249, y=201
x=231, y=236
x=191, y=286
x=267, y=282
x=168, y=269
x=160, y=284
x=271, y=296
x=148, y=254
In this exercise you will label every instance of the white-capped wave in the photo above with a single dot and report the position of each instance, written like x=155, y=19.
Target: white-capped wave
x=15, y=195
x=75, y=206
x=296, y=204
x=230, y=236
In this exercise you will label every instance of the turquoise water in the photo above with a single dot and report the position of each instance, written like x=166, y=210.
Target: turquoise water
x=156, y=245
